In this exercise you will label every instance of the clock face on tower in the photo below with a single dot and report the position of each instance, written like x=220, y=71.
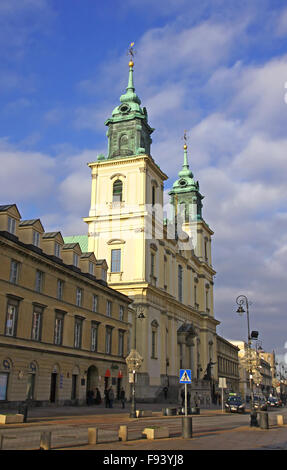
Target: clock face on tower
x=124, y=108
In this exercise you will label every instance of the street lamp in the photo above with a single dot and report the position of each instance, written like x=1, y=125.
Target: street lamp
x=242, y=300
x=134, y=361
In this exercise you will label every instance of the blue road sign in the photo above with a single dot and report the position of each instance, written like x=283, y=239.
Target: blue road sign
x=185, y=376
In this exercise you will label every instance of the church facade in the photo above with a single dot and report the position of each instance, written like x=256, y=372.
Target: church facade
x=160, y=257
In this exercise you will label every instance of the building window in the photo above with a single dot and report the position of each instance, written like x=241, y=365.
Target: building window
x=205, y=251
x=94, y=336
x=153, y=344
x=116, y=261
x=108, y=340
x=57, y=250
x=75, y=259
x=117, y=191
x=11, y=225
x=79, y=297
x=37, y=323
x=180, y=283
x=152, y=260
x=91, y=268
x=74, y=387
x=11, y=319
x=121, y=343
x=153, y=196
x=104, y=274
x=95, y=303
x=59, y=327
x=39, y=281
x=36, y=238
x=60, y=289
x=14, y=271
x=3, y=385
x=78, y=332
x=121, y=316
x=109, y=308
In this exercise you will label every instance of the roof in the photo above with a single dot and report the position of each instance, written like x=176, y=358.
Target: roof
x=6, y=207
x=70, y=246
x=24, y=223
x=50, y=234
x=81, y=239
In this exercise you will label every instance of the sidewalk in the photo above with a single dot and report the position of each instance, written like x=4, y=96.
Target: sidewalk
x=92, y=414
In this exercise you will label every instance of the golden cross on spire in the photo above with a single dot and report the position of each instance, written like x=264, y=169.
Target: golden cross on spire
x=131, y=53
x=185, y=139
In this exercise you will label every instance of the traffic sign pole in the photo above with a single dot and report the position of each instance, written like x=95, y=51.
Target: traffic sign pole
x=185, y=389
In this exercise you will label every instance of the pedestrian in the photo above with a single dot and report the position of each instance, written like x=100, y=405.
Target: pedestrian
x=111, y=397
x=165, y=390
x=188, y=399
x=98, y=399
x=90, y=397
x=123, y=397
x=107, y=400
x=182, y=394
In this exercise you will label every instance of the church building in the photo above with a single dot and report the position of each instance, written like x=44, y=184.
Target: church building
x=159, y=257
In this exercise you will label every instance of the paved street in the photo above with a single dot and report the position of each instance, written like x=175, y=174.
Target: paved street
x=211, y=430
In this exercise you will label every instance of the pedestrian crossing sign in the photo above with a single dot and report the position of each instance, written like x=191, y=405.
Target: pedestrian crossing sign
x=185, y=376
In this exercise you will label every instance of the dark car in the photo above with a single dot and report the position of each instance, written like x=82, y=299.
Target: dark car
x=273, y=402
x=260, y=403
x=234, y=404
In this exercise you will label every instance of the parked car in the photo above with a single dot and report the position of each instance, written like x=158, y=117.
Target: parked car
x=273, y=402
x=260, y=403
x=234, y=404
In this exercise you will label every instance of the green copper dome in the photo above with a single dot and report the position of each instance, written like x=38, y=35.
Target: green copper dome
x=129, y=131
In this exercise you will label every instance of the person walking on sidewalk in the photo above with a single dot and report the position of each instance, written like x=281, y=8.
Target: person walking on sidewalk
x=123, y=397
x=107, y=399
x=111, y=397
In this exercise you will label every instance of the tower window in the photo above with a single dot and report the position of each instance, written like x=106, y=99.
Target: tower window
x=117, y=191
x=153, y=196
x=180, y=283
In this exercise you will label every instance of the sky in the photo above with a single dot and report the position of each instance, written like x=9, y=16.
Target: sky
x=216, y=68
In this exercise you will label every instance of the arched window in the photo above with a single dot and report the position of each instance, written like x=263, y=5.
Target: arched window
x=117, y=191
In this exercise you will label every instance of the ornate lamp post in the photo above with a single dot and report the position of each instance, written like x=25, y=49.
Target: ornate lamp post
x=242, y=300
x=134, y=361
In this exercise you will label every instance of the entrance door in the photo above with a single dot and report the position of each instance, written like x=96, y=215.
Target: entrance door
x=53, y=387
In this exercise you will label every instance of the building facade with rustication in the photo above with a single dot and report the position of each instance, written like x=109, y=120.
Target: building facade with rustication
x=63, y=330
x=158, y=256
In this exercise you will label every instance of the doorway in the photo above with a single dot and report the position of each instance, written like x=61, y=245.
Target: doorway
x=53, y=389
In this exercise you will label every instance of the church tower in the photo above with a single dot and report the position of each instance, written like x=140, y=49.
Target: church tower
x=170, y=287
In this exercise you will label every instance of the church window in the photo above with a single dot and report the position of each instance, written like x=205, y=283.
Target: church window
x=180, y=283
x=116, y=261
x=153, y=195
x=124, y=142
x=117, y=191
x=152, y=258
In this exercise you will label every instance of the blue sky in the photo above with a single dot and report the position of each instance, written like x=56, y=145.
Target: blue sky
x=215, y=68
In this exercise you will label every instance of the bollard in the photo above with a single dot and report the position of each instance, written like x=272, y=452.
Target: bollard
x=186, y=427
x=263, y=418
x=1, y=441
x=280, y=420
x=93, y=435
x=45, y=441
x=123, y=433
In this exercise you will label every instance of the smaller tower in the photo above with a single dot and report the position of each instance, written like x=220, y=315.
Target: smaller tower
x=185, y=195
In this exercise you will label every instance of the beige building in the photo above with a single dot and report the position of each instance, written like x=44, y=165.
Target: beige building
x=228, y=364
x=250, y=360
x=161, y=261
x=63, y=330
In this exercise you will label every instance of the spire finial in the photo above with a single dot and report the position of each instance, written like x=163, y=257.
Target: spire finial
x=131, y=53
x=185, y=139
